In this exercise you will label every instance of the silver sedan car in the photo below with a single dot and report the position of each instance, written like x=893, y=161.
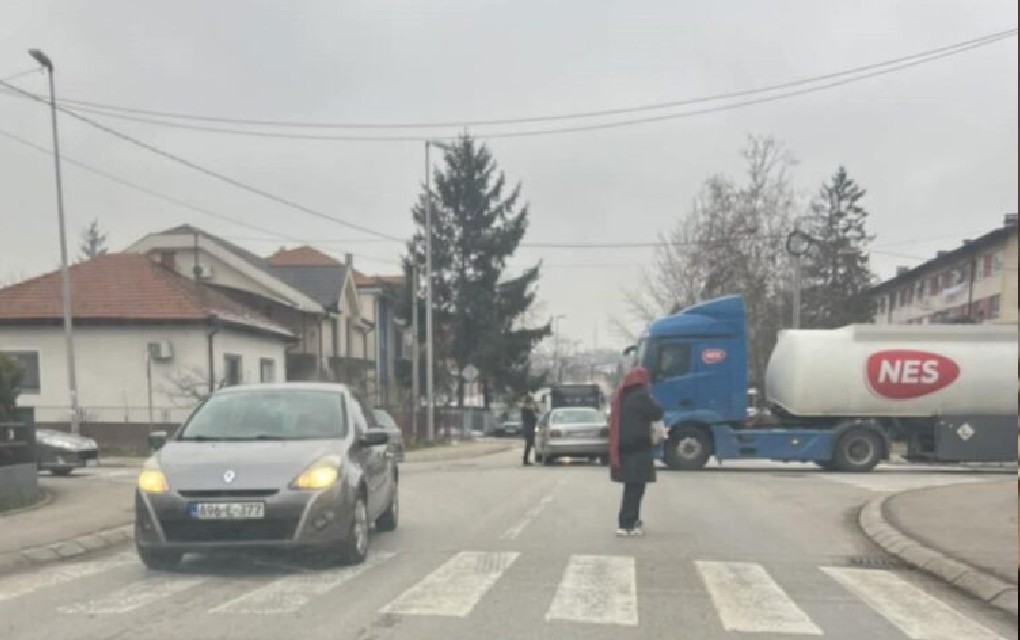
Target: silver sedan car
x=575, y=432
x=290, y=466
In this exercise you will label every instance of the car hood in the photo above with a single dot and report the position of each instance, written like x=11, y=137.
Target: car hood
x=255, y=465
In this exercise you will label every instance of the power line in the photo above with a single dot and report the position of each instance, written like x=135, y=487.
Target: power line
x=19, y=74
x=919, y=57
x=527, y=133
x=219, y=176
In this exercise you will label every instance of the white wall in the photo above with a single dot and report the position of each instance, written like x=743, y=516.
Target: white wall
x=111, y=369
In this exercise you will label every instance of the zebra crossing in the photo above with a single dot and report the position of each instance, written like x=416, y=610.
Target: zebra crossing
x=592, y=589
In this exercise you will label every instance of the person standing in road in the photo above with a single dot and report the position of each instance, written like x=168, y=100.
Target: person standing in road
x=529, y=421
x=633, y=411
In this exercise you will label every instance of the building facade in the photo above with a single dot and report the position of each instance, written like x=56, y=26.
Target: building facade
x=976, y=282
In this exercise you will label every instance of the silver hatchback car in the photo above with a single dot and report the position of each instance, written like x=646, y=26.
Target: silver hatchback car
x=291, y=466
x=576, y=432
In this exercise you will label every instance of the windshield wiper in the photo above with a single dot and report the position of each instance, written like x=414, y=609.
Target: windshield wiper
x=201, y=438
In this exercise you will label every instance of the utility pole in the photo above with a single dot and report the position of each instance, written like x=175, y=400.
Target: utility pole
x=72, y=379
x=415, y=353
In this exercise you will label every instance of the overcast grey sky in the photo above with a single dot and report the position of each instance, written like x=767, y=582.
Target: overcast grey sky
x=935, y=145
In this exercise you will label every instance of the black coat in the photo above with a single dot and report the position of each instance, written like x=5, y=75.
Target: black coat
x=637, y=413
x=529, y=420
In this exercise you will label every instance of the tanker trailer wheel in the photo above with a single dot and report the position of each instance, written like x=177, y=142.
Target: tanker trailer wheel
x=688, y=448
x=857, y=450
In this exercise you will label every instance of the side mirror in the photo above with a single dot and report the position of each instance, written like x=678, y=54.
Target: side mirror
x=157, y=439
x=629, y=350
x=374, y=438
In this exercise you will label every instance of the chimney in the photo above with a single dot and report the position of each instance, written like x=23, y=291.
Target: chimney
x=900, y=270
x=1009, y=220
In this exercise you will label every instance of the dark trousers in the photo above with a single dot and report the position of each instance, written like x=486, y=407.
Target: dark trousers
x=630, y=506
x=529, y=444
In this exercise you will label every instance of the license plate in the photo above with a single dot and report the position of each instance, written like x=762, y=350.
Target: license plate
x=227, y=510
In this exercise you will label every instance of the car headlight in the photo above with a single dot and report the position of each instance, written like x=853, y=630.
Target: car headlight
x=320, y=475
x=152, y=479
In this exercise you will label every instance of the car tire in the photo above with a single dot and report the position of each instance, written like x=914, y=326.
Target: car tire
x=390, y=518
x=688, y=448
x=354, y=547
x=62, y=471
x=159, y=559
x=857, y=450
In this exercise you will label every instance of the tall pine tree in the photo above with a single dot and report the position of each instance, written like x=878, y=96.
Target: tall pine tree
x=837, y=271
x=93, y=242
x=477, y=225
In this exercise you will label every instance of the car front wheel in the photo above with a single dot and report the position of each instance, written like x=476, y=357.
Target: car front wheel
x=354, y=548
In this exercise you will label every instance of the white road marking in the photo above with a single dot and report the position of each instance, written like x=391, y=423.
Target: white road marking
x=748, y=599
x=917, y=614
x=894, y=483
x=597, y=589
x=531, y=514
x=20, y=585
x=136, y=595
x=456, y=587
x=288, y=594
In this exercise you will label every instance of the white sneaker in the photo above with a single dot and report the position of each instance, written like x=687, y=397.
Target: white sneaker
x=637, y=531
x=623, y=533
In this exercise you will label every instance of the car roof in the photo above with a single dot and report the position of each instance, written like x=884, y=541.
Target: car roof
x=334, y=387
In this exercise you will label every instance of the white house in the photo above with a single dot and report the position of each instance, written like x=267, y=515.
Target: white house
x=312, y=295
x=148, y=342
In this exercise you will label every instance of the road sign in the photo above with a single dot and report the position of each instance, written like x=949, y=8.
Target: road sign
x=470, y=373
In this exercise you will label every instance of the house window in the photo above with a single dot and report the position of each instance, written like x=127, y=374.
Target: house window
x=267, y=370
x=29, y=362
x=986, y=266
x=998, y=261
x=232, y=370
x=993, y=307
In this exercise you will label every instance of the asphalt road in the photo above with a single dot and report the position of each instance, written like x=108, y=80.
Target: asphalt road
x=489, y=550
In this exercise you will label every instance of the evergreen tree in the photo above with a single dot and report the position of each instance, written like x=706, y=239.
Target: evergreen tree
x=837, y=271
x=477, y=225
x=93, y=242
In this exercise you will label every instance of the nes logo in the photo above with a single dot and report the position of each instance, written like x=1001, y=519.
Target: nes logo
x=902, y=374
x=713, y=356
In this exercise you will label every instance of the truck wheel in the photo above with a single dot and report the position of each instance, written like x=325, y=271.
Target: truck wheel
x=688, y=449
x=857, y=450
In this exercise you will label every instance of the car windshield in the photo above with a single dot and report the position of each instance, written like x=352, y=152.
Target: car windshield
x=268, y=415
x=577, y=416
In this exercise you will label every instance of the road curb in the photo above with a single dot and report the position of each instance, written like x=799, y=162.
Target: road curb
x=71, y=549
x=45, y=498
x=980, y=584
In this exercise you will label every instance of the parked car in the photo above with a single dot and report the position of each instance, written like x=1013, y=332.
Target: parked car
x=286, y=466
x=61, y=453
x=576, y=432
x=386, y=422
x=511, y=424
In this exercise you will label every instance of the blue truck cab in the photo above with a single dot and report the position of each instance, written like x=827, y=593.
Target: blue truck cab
x=697, y=359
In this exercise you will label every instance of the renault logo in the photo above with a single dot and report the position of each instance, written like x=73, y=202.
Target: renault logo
x=229, y=475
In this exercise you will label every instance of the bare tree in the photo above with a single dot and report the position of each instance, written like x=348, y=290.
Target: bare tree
x=731, y=242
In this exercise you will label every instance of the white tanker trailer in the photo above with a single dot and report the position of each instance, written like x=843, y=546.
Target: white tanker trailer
x=839, y=397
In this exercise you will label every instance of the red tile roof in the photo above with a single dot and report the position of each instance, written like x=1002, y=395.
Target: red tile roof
x=363, y=280
x=304, y=256
x=124, y=286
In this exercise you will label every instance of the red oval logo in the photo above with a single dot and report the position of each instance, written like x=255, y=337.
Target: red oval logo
x=902, y=374
x=713, y=356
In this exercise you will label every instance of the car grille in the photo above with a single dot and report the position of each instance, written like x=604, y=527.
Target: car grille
x=228, y=493
x=226, y=531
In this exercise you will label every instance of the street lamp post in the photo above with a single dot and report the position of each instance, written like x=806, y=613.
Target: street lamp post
x=429, y=335
x=72, y=382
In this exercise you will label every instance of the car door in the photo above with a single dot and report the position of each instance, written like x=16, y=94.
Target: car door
x=542, y=433
x=373, y=459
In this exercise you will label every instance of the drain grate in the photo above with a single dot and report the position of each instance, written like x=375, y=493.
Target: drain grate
x=874, y=562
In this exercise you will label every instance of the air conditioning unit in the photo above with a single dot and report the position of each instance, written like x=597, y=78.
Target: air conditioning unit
x=161, y=351
x=204, y=272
